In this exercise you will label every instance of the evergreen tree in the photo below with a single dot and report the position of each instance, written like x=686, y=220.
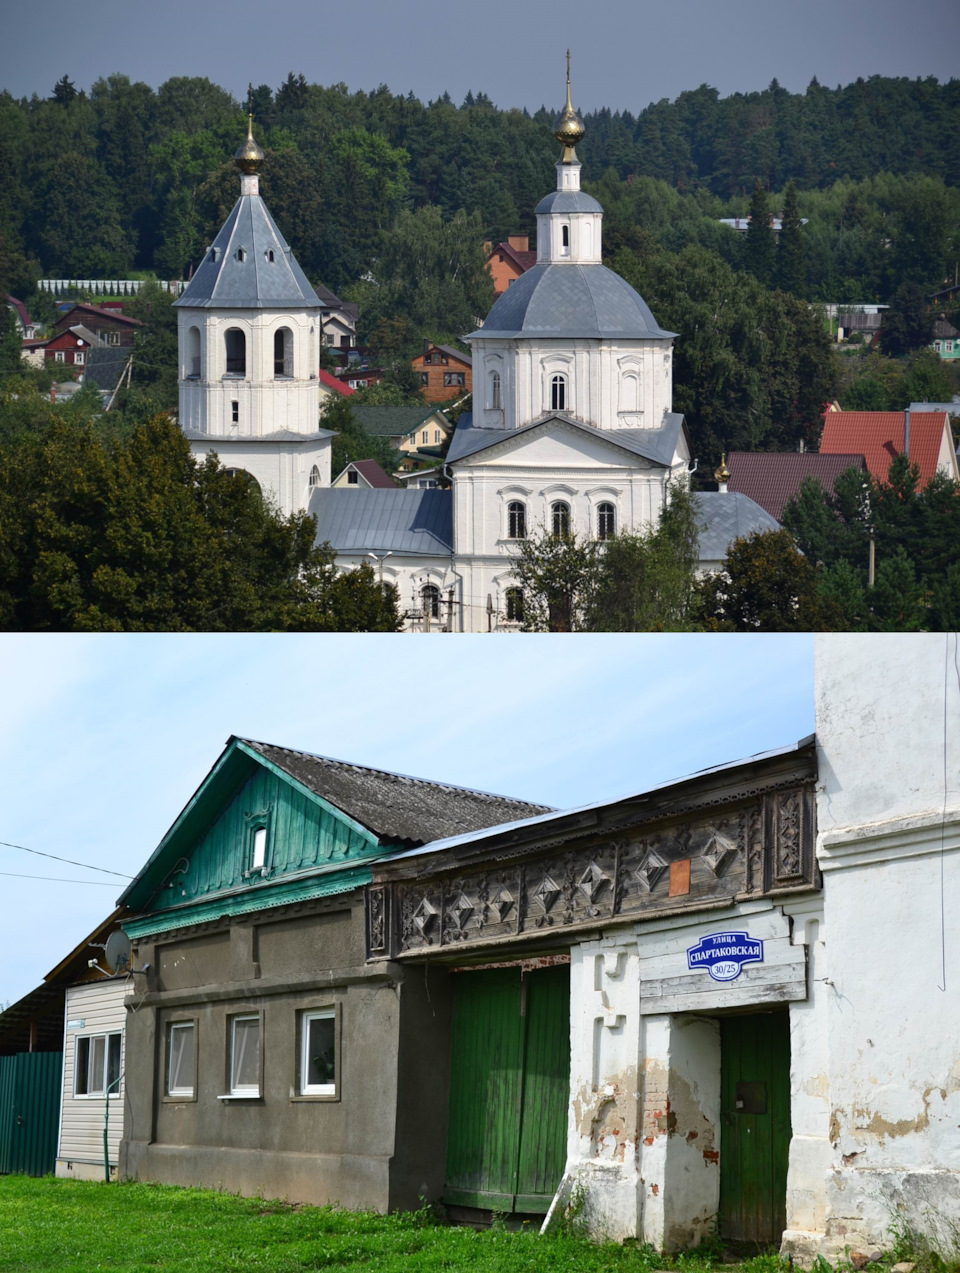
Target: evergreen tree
x=64, y=91
x=907, y=324
x=761, y=245
x=791, y=256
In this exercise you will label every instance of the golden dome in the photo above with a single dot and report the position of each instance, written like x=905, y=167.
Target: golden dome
x=568, y=129
x=249, y=157
x=722, y=474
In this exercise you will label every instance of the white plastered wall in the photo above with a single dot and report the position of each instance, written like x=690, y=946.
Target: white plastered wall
x=888, y=733
x=282, y=469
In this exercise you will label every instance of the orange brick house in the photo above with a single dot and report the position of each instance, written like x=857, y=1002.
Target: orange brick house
x=445, y=372
x=507, y=261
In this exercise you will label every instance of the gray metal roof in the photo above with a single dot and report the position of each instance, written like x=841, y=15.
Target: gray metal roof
x=278, y=435
x=727, y=516
x=394, y=806
x=567, y=201
x=658, y=445
x=412, y=522
x=571, y=301
x=223, y=281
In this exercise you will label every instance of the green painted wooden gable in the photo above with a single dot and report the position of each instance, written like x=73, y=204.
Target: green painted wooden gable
x=203, y=867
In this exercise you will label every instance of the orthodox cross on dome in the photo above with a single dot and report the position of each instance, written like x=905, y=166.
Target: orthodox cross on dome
x=569, y=129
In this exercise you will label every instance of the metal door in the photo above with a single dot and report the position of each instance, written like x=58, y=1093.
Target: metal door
x=29, y=1111
x=509, y=1088
x=755, y=1126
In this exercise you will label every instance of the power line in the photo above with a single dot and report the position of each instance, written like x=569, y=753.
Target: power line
x=69, y=861
x=57, y=879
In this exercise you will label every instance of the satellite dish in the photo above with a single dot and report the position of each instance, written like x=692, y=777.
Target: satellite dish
x=117, y=951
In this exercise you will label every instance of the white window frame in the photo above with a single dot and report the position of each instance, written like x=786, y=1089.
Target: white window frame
x=327, y=1090
x=182, y=1092
x=99, y=1093
x=78, y=357
x=245, y=1090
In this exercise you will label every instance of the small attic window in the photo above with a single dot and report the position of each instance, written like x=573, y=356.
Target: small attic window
x=259, y=848
x=241, y=255
x=214, y=254
x=270, y=256
x=257, y=844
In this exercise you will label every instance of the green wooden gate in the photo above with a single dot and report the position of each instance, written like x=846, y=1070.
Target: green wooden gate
x=29, y=1112
x=755, y=1126
x=509, y=1088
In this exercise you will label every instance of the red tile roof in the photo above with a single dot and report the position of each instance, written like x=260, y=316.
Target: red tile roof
x=374, y=474
x=771, y=478
x=333, y=383
x=878, y=436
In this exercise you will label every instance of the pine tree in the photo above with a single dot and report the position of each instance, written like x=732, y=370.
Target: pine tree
x=761, y=247
x=791, y=250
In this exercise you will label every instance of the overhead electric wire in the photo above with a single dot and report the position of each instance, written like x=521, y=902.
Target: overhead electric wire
x=56, y=879
x=69, y=861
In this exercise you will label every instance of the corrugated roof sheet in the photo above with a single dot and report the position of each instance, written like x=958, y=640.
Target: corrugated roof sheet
x=256, y=282
x=726, y=517
x=658, y=445
x=412, y=522
x=771, y=478
x=394, y=806
x=879, y=437
x=571, y=301
x=390, y=422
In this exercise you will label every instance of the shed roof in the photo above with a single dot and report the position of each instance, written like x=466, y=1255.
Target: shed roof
x=412, y=522
x=879, y=437
x=772, y=478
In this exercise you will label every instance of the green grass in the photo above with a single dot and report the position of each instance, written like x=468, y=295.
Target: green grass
x=77, y=1227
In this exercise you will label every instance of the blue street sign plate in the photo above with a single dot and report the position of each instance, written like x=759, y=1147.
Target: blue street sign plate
x=723, y=955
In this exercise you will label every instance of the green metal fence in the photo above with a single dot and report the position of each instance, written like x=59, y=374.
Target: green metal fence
x=29, y=1112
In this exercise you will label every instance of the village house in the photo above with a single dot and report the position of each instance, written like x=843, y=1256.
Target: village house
x=71, y=346
x=109, y=326
x=772, y=478
x=946, y=339
x=879, y=436
x=363, y=475
x=445, y=373
x=677, y=1007
x=507, y=261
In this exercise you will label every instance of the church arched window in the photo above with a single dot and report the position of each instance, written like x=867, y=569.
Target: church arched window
x=630, y=392
x=430, y=597
x=558, y=393
x=565, y=240
x=517, y=519
x=282, y=353
x=314, y=477
x=606, y=521
x=496, y=401
x=514, y=600
x=236, y=344
x=560, y=517
x=193, y=354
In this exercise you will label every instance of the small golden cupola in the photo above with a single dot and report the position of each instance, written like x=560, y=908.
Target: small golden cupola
x=569, y=129
x=249, y=157
x=722, y=474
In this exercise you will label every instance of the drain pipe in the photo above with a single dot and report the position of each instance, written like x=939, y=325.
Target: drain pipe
x=106, y=1128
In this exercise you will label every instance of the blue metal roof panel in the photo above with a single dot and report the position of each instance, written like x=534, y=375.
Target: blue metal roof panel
x=223, y=281
x=415, y=522
x=561, y=201
x=725, y=517
x=569, y=302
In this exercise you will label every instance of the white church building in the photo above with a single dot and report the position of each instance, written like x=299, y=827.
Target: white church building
x=573, y=428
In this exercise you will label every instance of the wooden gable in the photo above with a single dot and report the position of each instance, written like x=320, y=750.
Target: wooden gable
x=205, y=867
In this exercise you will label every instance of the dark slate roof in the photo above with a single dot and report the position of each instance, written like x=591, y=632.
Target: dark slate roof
x=411, y=522
x=658, y=445
x=394, y=806
x=943, y=330
x=570, y=301
x=256, y=282
x=391, y=422
x=454, y=353
x=772, y=478
x=105, y=365
x=328, y=299
x=725, y=517
x=561, y=201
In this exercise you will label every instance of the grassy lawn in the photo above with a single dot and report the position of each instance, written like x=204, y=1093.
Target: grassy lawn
x=74, y=1227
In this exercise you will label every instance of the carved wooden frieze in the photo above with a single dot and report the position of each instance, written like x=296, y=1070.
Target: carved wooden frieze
x=764, y=845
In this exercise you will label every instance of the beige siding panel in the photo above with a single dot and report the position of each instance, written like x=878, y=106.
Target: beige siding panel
x=100, y=1005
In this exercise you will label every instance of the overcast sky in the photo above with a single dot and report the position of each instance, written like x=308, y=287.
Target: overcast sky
x=625, y=53
x=104, y=739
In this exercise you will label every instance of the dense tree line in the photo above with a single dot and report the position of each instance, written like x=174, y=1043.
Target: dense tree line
x=126, y=177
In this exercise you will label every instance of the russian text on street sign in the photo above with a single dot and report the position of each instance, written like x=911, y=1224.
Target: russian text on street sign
x=723, y=955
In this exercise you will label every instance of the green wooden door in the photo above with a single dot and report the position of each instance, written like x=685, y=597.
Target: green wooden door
x=509, y=1088
x=755, y=1126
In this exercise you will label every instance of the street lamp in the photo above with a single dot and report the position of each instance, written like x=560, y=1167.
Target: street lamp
x=380, y=558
